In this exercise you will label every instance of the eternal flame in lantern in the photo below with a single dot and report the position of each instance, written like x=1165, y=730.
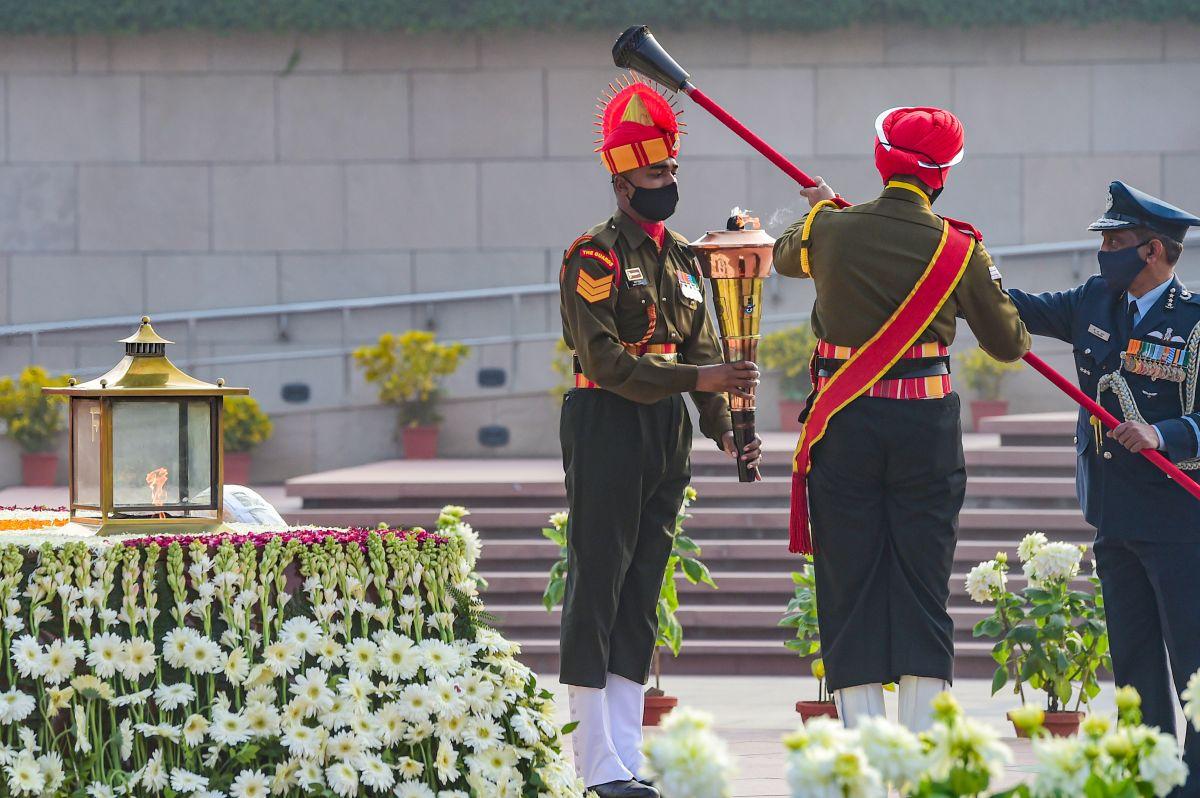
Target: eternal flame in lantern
x=146, y=444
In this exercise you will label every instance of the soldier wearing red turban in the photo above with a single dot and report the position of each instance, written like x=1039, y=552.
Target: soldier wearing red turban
x=633, y=311
x=879, y=477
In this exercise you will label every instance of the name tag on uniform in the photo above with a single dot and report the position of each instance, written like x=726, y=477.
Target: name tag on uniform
x=634, y=276
x=689, y=287
x=1096, y=331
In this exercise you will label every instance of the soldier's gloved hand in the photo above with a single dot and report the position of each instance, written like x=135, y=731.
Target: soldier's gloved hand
x=818, y=193
x=1134, y=436
x=738, y=378
x=752, y=453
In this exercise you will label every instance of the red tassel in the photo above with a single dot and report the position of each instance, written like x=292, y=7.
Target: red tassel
x=799, y=538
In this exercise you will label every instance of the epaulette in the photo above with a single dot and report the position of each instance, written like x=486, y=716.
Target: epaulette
x=965, y=227
x=678, y=237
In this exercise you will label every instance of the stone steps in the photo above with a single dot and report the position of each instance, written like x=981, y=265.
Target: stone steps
x=1024, y=485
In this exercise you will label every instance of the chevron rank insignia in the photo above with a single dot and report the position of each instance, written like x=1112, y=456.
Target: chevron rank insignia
x=593, y=289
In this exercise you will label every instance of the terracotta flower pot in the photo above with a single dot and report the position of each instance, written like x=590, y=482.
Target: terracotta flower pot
x=986, y=408
x=38, y=469
x=789, y=414
x=237, y=468
x=1059, y=724
x=816, y=709
x=420, y=443
x=657, y=707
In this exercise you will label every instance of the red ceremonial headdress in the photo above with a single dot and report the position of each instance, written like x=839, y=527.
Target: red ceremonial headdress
x=924, y=142
x=637, y=125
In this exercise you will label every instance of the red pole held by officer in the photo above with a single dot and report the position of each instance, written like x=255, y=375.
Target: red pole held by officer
x=638, y=50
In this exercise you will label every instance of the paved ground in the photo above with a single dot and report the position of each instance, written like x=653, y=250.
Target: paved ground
x=753, y=714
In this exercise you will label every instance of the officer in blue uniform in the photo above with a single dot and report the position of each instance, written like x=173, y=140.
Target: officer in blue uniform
x=1135, y=329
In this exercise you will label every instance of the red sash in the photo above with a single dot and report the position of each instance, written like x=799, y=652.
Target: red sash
x=872, y=361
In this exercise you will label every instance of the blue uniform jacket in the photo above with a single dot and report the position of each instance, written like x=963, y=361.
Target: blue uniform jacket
x=1122, y=494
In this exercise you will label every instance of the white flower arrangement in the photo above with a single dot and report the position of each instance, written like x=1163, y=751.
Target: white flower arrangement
x=687, y=759
x=313, y=662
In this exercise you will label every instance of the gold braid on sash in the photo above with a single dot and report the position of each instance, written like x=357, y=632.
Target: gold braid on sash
x=1116, y=383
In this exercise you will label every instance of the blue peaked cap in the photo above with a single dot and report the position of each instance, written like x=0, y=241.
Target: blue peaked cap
x=1128, y=207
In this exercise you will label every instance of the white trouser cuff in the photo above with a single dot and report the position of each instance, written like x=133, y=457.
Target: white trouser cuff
x=596, y=760
x=858, y=702
x=916, y=695
x=626, y=702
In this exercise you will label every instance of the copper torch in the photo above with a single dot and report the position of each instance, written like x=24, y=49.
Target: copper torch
x=736, y=260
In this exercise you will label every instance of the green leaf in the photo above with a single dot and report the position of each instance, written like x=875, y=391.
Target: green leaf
x=570, y=727
x=685, y=545
x=692, y=569
x=988, y=627
x=999, y=679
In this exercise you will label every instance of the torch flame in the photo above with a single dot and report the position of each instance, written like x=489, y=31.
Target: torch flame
x=740, y=219
x=157, y=480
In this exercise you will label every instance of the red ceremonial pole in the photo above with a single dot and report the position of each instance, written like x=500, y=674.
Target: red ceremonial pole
x=1038, y=365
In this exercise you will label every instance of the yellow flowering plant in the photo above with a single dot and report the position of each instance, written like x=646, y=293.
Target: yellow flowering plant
x=408, y=369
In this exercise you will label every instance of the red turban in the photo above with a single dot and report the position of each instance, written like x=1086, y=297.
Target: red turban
x=638, y=127
x=924, y=142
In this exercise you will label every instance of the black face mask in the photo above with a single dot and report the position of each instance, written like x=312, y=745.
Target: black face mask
x=655, y=204
x=1121, y=267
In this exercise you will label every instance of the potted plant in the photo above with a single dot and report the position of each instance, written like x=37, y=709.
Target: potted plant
x=985, y=375
x=34, y=421
x=1051, y=636
x=408, y=368
x=245, y=427
x=801, y=615
x=788, y=353
x=684, y=558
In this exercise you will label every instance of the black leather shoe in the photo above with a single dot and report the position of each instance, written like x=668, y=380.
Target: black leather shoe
x=624, y=789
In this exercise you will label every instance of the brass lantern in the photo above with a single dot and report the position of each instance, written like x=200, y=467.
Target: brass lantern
x=146, y=444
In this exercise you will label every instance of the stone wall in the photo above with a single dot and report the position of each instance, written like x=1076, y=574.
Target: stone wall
x=191, y=170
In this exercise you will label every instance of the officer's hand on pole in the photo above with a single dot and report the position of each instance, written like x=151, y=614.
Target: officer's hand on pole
x=738, y=378
x=1134, y=436
x=752, y=453
x=818, y=193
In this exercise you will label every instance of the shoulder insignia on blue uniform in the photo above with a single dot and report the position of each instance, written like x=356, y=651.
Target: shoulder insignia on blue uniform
x=965, y=227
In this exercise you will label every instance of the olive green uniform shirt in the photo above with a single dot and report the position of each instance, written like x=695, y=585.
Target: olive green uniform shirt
x=865, y=259
x=614, y=281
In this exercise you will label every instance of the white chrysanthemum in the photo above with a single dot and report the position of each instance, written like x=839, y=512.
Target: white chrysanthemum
x=154, y=775
x=15, y=706
x=985, y=582
x=27, y=656
x=310, y=691
x=132, y=699
x=301, y=741
x=439, y=658
x=175, y=645
x=137, y=658
x=1056, y=562
x=105, y=657
x=173, y=696
x=282, y=657
x=966, y=741
x=330, y=653
x=1160, y=764
x=362, y=655
x=524, y=725
x=347, y=746
x=25, y=776
x=250, y=784
x=1061, y=766
x=410, y=768
x=687, y=758
x=125, y=739
x=163, y=730
x=415, y=789
x=376, y=773
x=53, y=774
x=342, y=778
x=892, y=750
x=262, y=720
x=304, y=633
x=203, y=656
x=399, y=658
x=1030, y=545
x=187, y=781
x=59, y=662
x=235, y=665
x=229, y=728
x=1191, y=700
x=446, y=762
x=195, y=728
x=482, y=733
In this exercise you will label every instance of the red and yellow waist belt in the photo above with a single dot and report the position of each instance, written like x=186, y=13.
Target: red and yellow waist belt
x=923, y=371
x=671, y=351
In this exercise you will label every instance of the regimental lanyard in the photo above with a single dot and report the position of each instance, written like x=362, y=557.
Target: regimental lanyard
x=1156, y=361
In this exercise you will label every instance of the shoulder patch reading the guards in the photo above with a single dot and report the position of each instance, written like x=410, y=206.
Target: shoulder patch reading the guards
x=606, y=258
